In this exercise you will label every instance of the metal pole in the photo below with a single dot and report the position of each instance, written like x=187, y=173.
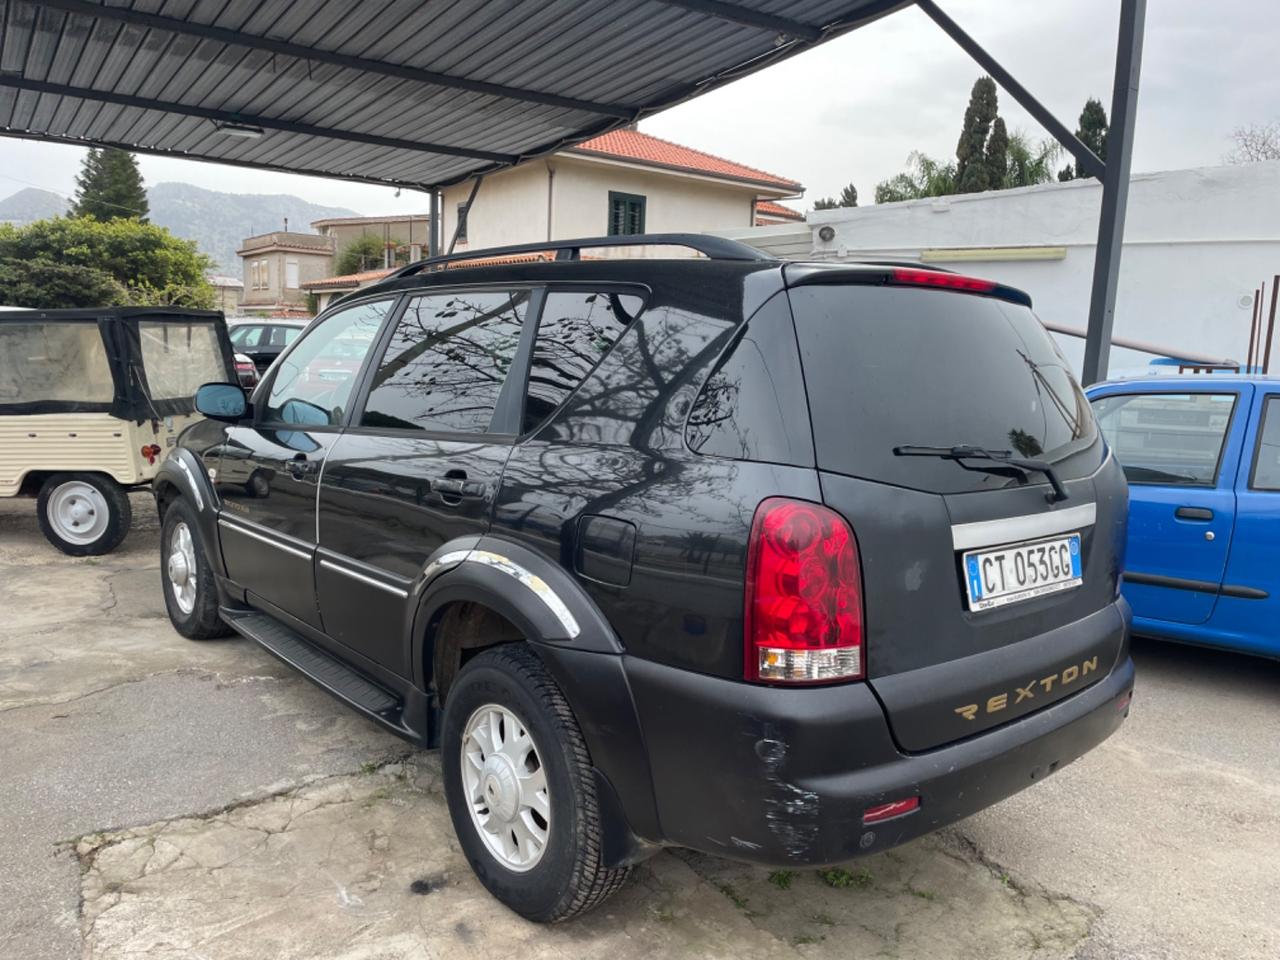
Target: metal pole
x=465, y=212
x=1115, y=190
x=1253, y=329
x=433, y=233
x=1271, y=324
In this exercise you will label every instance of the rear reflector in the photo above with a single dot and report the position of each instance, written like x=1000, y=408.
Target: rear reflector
x=887, y=811
x=935, y=278
x=803, y=615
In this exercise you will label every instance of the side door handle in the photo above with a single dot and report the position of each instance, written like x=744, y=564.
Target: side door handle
x=300, y=466
x=454, y=487
x=1193, y=513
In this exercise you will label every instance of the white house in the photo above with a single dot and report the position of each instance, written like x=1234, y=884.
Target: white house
x=620, y=183
x=1198, y=243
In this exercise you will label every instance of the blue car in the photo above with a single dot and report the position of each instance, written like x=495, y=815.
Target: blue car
x=1202, y=456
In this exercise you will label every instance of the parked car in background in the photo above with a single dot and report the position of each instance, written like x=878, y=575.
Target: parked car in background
x=698, y=552
x=262, y=340
x=246, y=372
x=1202, y=455
x=90, y=403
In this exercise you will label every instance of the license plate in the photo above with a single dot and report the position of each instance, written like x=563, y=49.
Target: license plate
x=1021, y=571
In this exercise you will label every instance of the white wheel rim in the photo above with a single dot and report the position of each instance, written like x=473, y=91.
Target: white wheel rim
x=506, y=787
x=78, y=512
x=181, y=568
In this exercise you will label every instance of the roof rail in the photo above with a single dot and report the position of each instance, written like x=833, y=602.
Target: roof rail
x=714, y=248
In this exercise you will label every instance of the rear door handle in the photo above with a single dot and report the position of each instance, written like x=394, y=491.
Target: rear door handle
x=454, y=486
x=1193, y=513
x=300, y=466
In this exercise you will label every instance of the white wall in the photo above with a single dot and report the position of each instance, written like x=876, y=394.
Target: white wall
x=511, y=207
x=1197, y=243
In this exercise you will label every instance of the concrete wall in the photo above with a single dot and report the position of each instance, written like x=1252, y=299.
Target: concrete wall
x=1197, y=243
x=512, y=206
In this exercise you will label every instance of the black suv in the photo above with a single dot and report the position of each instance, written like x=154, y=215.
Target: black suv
x=780, y=561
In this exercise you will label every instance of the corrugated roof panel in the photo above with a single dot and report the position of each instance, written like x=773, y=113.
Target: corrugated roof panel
x=60, y=68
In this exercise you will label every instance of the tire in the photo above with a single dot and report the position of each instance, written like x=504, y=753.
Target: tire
x=83, y=514
x=190, y=594
x=567, y=877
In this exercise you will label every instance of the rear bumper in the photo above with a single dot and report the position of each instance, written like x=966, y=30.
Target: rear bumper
x=783, y=776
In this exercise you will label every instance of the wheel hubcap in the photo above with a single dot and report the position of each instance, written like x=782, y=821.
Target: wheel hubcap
x=78, y=512
x=181, y=568
x=506, y=787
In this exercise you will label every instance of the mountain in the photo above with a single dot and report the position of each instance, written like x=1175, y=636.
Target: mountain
x=218, y=221
x=32, y=203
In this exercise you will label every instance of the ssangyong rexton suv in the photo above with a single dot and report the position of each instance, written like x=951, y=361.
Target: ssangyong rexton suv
x=780, y=561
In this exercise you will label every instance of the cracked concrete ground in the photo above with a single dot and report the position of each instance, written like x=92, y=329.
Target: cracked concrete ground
x=163, y=798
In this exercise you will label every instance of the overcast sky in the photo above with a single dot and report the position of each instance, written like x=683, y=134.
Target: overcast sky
x=853, y=109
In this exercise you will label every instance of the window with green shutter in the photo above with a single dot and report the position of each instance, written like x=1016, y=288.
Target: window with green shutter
x=626, y=214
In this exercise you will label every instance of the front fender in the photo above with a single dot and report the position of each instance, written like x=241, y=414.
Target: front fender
x=184, y=474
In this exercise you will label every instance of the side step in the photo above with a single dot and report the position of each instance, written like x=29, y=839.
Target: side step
x=325, y=670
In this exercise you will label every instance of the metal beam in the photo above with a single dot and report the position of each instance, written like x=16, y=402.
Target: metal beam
x=433, y=244
x=267, y=123
x=1146, y=346
x=751, y=18
x=1089, y=162
x=302, y=52
x=464, y=213
x=1115, y=190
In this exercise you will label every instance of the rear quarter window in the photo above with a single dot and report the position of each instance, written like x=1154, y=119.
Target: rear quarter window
x=888, y=366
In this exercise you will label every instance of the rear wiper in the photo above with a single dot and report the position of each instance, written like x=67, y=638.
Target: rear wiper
x=1003, y=457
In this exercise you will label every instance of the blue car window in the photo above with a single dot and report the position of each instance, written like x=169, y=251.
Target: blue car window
x=1266, y=461
x=1167, y=438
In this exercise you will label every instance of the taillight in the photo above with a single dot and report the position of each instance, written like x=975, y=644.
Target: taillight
x=803, y=620
x=936, y=278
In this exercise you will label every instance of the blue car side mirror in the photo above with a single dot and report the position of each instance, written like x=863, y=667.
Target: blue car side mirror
x=221, y=401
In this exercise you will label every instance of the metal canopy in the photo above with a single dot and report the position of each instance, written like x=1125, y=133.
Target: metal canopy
x=396, y=92
x=428, y=93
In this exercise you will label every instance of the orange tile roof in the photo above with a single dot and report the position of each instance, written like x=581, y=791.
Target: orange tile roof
x=352, y=280
x=767, y=208
x=640, y=147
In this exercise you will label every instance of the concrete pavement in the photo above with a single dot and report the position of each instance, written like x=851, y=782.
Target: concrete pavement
x=171, y=799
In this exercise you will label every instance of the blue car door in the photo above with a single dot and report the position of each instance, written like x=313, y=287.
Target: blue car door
x=1179, y=446
x=1247, y=616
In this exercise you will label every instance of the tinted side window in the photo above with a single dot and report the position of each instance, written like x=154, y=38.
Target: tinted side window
x=313, y=384
x=575, y=331
x=752, y=407
x=1266, y=464
x=446, y=362
x=1167, y=438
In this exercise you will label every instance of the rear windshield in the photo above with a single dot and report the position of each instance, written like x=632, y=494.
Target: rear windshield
x=887, y=367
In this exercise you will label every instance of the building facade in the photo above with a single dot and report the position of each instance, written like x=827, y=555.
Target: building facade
x=406, y=234
x=277, y=264
x=229, y=291
x=1197, y=245
x=623, y=182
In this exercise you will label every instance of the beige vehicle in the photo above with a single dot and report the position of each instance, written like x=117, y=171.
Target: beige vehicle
x=91, y=401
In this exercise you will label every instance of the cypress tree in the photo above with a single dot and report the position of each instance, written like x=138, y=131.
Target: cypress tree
x=1092, y=132
x=997, y=159
x=972, y=175
x=109, y=187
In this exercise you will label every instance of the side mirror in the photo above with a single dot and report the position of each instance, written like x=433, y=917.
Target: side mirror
x=222, y=401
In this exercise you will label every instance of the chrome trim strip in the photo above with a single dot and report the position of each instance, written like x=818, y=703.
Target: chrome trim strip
x=269, y=541
x=534, y=582
x=442, y=563
x=986, y=533
x=372, y=581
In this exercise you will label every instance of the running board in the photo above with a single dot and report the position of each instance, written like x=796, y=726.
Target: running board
x=328, y=672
